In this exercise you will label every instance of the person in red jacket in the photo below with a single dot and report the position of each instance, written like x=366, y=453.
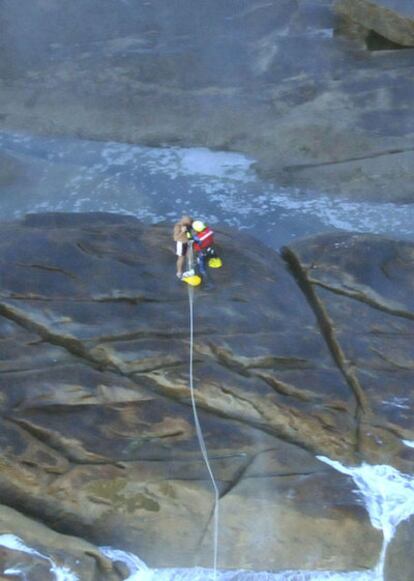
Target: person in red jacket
x=203, y=237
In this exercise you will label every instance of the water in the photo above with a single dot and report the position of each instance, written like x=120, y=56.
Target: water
x=155, y=185
x=140, y=572
x=15, y=543
x=387, y=494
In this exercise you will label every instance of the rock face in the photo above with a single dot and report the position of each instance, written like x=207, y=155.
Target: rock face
x=399, y=564
x=270, y=79
x=97, y=432
x=361, y=288
x=392, y=19
x=71, y=553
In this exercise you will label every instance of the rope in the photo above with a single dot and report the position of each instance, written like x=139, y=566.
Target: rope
x=199, y=431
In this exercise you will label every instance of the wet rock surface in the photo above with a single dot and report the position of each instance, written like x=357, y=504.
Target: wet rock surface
x=315, y=109
x=361, y=287
x=399, y=563
x=292, y=358
x=392, y=19
x=36, y=551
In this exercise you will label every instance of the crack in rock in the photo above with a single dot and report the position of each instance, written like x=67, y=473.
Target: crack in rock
x=363, y=410
x=366, y=296
x=69, y=448
x=305, y=166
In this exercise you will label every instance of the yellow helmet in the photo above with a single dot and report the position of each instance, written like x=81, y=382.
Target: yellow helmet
x=198, y=226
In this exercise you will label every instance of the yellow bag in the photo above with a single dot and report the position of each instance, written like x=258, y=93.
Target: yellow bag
x=193, y=280
x=215, y=262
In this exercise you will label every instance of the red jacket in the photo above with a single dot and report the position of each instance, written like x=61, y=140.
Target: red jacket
x=203, y=239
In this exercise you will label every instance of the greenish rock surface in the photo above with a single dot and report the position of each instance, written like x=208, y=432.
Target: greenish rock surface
x=293, y=359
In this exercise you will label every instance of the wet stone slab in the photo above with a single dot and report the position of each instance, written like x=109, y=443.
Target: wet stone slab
x=97, y=418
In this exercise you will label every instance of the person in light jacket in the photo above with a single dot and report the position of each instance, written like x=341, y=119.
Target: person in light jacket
x=182, y=236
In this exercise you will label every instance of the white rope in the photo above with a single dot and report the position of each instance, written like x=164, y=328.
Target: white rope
x=199, y=431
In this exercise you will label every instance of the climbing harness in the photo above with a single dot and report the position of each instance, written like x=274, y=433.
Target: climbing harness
x=203, y=448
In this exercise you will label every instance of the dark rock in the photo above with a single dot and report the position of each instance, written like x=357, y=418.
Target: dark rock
x=361, y=287
x=98, y=437
x=291, y=510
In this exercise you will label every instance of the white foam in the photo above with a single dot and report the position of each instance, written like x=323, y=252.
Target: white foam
x=219, y=164
x=155, y=184
x=199, y=162
x=138, y=571
x=15, y=543
x=120, y=153
x=388, y=497
x=321, y=32
x=409, y=443
x=137, y=568
x=398, y=402
x=343, y=214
